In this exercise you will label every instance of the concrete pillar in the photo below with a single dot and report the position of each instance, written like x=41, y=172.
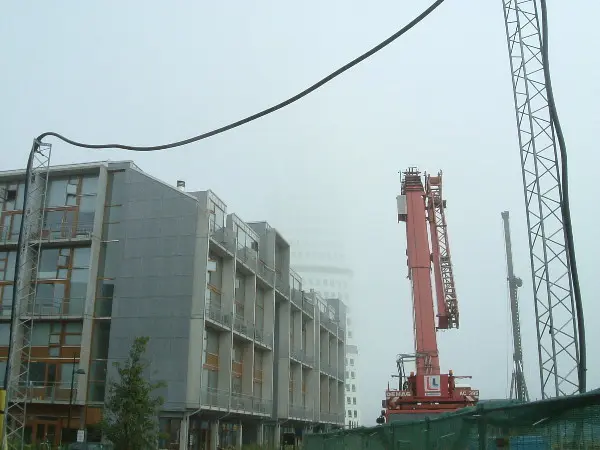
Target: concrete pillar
x=184, y=435
x=260, y=428
x=239, y=440
x=214, y=435
x=277, y=436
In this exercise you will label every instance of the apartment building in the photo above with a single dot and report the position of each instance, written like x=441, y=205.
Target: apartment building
x=245, y=351
x=319, y=257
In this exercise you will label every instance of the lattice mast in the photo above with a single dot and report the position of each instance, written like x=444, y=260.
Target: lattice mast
x=518, y=387
x=558, y=350
x=17, y=383
x=447, y=303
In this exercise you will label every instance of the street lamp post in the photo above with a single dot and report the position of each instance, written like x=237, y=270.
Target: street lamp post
x=74, y=372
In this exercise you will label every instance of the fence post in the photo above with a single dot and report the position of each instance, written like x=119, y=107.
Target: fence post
x=481, y=428
x=427, y=429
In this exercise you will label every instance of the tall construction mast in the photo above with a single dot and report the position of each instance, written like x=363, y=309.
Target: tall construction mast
x=558, y=347
x=16, y=378
x=518, y=387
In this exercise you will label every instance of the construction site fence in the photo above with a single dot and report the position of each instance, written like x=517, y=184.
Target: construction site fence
x=560, y=423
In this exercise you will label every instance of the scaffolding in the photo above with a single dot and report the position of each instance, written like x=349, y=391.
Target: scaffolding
x=17, y=383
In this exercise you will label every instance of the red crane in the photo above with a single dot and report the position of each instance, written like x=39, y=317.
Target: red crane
x=421, y=206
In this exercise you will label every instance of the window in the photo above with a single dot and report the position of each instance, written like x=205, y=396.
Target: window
x=352, y=375
x=354, y=400
x=349, y=413
x=4, y=334
x=351, y=361
x=355, y=414
x=72, y=333
x=7, y=266
x=348, y=400
x=353, y=388
x=348, y=387
x=41, y=334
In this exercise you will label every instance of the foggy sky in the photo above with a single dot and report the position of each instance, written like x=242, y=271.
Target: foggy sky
x=148, y=72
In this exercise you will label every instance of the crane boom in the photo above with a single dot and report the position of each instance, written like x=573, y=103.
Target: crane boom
x=518, y=387
x=419, y=273
x=440, y=246
x=428, y=391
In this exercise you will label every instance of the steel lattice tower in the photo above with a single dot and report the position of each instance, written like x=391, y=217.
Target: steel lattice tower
x=18, y=389
x=551, y=272
x=518, y=386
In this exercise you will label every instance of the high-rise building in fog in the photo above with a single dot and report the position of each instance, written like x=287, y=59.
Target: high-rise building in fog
x=320, y=259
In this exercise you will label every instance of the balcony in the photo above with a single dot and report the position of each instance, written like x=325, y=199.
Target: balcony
x=45, y=392
x=215, y=314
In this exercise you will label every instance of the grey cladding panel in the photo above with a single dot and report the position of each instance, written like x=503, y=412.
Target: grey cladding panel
x=154, y=287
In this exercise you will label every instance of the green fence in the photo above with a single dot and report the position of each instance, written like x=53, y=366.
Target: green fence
x=561, y=423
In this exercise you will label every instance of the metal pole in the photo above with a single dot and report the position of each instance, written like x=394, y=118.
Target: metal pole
x=70, y=399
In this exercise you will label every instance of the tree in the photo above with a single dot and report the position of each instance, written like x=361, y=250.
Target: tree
x=130, y=419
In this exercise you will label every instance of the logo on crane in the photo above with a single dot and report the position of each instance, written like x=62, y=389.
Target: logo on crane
x=432, y=385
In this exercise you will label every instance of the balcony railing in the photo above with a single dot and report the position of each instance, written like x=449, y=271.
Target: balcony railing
x=225, y=238
x=329, y=417
x=301, y=355
x=66, y=232
x=264, y=338
x=52, y=232
x=308, y=306
x=242, y=326
x=296, y=298
x=329, y=370
x=282, y=285
x=300, y=412
x=216, y=314
x=40, y=391
x=296, y=353
x=44, y=307
x=216, y=398
x=265, y=272
x=241, y=402
x=248, y=257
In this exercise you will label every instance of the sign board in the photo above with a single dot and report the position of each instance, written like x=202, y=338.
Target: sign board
x=469, y=392
x=392, y=394
x=432, y=385
x=80, y=435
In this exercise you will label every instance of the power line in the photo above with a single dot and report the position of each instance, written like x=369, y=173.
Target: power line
x=289, y=101
x=264, y=112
